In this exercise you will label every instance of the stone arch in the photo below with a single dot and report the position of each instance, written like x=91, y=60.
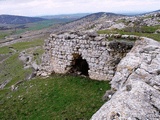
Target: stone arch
x=79, y=65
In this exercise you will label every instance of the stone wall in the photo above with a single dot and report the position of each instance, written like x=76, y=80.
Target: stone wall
x=100, y=52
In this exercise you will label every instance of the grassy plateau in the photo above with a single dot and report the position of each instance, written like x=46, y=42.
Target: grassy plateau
x=55, y=98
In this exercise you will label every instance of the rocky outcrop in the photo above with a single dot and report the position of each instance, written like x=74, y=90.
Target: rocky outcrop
x=118, y=26
x=137, y=85
x=85, y=53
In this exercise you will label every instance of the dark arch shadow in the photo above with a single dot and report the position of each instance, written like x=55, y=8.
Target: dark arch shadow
x=79, y=65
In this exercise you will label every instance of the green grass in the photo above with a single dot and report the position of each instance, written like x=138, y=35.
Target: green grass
x=3, y=35
x=149, y=35
x=149, y=29
x=38, y=54
x=107, y=32
x=55, y=98
x=12, y=69
x=45, y=24
x=147, y=32
x=5, y=50
x=24, y=45
x=30, y=27
x=3, y=57
x=41, y=25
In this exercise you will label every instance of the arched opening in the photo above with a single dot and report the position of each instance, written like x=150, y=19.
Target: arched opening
x=79, y=65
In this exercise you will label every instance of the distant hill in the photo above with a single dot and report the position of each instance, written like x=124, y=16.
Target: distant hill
x=155, y=11
x=139, y=13
x=88, y=21
x=101, y=14
x=150, y=12
x=12, y=19
x=65, y=16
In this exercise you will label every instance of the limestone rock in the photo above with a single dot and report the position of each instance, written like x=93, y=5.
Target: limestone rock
x=157, y=31
x=137, y=81
x=92, y=34
x=118, y=26
x=53, y=35
x=142, y=62
x=108, y=95
x=35, y=66
x=98, y=38
x=2, y=85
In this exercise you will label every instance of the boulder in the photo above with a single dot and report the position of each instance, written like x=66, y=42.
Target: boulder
x=92, y=34
x=98, y=38
x=137, y=85
x=157, y=31
x=53, y=35
x=118, y=26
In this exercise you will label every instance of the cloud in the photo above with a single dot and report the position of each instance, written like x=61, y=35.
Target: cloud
x=50, y=7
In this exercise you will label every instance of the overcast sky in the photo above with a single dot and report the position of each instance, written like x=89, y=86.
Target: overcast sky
x=53, y=7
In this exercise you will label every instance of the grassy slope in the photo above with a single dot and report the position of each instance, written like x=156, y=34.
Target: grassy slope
x=41, y=25
x=12, y=68
x=3, y=34
x=5, y=50
x=54, y=98
x=32, y=27
x=25, y=45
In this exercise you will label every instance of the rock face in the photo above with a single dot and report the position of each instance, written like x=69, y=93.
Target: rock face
x=84, y=53
x=137, y=81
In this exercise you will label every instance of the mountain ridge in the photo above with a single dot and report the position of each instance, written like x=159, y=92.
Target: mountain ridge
x=15, y=19
x=88, y=21
x=63, y=16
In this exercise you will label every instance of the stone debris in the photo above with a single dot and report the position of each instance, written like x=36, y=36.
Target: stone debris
x=28, y=58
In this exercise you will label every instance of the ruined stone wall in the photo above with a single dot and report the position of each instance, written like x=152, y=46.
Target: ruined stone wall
x=101, y=54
